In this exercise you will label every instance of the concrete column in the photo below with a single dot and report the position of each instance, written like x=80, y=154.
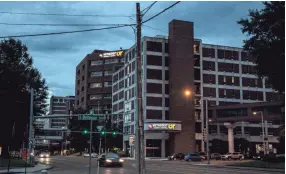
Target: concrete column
x=266, y=136
x=242, y=128
x=230, y=137
x=163, y=147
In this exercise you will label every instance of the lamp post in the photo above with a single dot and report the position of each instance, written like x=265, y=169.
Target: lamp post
x=262, y=127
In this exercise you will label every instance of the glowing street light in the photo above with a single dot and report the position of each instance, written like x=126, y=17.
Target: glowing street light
x=187, y=93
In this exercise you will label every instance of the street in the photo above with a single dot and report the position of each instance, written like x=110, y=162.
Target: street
x=76, y=165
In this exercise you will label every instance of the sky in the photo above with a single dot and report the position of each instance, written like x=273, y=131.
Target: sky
x=56, y=56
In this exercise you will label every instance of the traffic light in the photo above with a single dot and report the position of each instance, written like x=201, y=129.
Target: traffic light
x=85, y=131
x=102, y=132
x=204, y=134
x=114, y=133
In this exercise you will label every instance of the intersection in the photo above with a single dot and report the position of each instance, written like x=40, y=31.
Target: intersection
x=79, y=165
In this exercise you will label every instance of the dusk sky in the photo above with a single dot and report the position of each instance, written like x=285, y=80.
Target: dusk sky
x=56, y=56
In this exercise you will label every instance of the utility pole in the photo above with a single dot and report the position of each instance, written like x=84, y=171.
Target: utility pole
x=139, y=122
x=30, y=141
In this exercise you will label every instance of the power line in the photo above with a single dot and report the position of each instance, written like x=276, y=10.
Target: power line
x=154, y=28
x=66, y=32
x=161, y=12
x=148, y=8
x=64, y=14
x=58, y=25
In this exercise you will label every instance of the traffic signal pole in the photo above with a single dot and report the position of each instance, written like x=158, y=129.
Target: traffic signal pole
x=31, y=122
x=90, y=147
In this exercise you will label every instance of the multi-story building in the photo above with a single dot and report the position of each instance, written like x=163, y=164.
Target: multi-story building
x=60, y=105
x=93, y=87
x=172, y=66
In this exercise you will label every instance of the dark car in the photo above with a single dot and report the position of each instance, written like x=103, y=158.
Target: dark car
x=203, y=154
x=193, y=157
x=176, y=156
x=110, y=159
x=216, y=156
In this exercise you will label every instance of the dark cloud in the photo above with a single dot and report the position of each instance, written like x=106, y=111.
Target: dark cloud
x=56, y=56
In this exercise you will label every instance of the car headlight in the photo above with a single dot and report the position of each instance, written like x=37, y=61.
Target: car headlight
x=41, y=155
x=121, y=160
x=47, y=155
x=108, y=161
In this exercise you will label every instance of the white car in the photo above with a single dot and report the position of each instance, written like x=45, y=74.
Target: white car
x=226, y=156
x=93, y=155
x=44, y=155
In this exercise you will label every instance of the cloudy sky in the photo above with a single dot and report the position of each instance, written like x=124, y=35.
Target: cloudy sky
x=56, y=56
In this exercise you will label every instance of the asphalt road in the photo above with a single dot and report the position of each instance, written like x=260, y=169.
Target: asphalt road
x=79, y=165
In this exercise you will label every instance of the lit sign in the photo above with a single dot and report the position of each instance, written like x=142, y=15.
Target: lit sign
x=163, y=126
x=111, y=54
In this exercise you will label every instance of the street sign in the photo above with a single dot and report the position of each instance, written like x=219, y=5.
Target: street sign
x=91, y=117
x=99, y=128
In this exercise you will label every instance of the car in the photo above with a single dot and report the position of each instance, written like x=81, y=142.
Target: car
x=93, y=155
x=110, y=159
x=193, y=157
x=226, y=156
x=44, y=155
x=237, y=156
x=203, y=155
x=175, y=156
x=216, y=156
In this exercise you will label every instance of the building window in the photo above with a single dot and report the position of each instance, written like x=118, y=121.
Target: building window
x=96, y=62
x=107, y=84
x=107, y=96
x=224, y=92
x=232, y=80
x=95, y=97
x=154, y=46
x=108, y=73
x=96, y=74
x=82, y=89
x=224, y=79
x=110, y=61
x=95, y=85
x=82, y=77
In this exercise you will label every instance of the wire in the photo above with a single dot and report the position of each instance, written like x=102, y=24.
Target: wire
x=63, y=14
x=161, y=12
x=148, y=8
x=154, y=28
x=72, y=25
x=66, y=32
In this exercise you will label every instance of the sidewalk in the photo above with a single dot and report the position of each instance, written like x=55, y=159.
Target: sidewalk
x=147, y=159
x=37, y=168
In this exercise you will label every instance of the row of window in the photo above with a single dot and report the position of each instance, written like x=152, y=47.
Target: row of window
x=106, y=61
x=118, y=96
x=100, y=73
x=100, y=85
x=99, y=96
x=229, y=67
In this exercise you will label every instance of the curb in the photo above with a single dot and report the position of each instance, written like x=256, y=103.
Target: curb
x=47, y=168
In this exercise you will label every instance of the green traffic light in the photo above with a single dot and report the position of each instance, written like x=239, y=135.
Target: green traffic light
x=85, y=131
x=114, y=133
x=102, y=132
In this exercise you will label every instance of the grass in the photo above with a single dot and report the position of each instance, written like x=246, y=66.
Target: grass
x=260, y=164
x=14, y=163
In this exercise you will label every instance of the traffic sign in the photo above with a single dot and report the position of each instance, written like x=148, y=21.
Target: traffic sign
x=99, y=128
x=91, y=117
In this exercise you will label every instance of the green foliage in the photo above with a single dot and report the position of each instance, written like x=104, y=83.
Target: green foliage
x=266, y=31
x=17, y=77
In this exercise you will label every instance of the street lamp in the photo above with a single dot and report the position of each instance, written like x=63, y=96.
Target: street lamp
x=262, y=127
x=187, y=93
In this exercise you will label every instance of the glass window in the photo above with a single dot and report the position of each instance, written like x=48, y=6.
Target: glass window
x=107, y=95
x=108, y=73
x=95, y=74
x=107, y=84
x=110, y=61
x=95, y=85
x=94, y=97
x=96, y=62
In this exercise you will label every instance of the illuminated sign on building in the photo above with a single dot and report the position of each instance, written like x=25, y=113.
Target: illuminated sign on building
x=163, y=126
x=112, y=54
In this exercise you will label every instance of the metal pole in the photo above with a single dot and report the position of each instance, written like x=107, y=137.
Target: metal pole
x=263, y=133
x=203, y=123
x=31, y=125
x=90, y=144
x=98, y=154
x=207, y=132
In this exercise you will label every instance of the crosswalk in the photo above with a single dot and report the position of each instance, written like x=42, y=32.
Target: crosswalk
x=188, y=168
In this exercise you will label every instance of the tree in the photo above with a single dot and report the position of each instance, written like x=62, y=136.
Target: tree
x=17, y=77
x=266, y=29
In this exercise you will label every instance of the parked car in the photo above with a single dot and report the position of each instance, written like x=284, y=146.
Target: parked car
x=237, y=156
x=110, y=159
x=176, y=156
x=203, y=155
x=216, y=156
x=226, y=156
x=193, y=157
x=93, y=155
